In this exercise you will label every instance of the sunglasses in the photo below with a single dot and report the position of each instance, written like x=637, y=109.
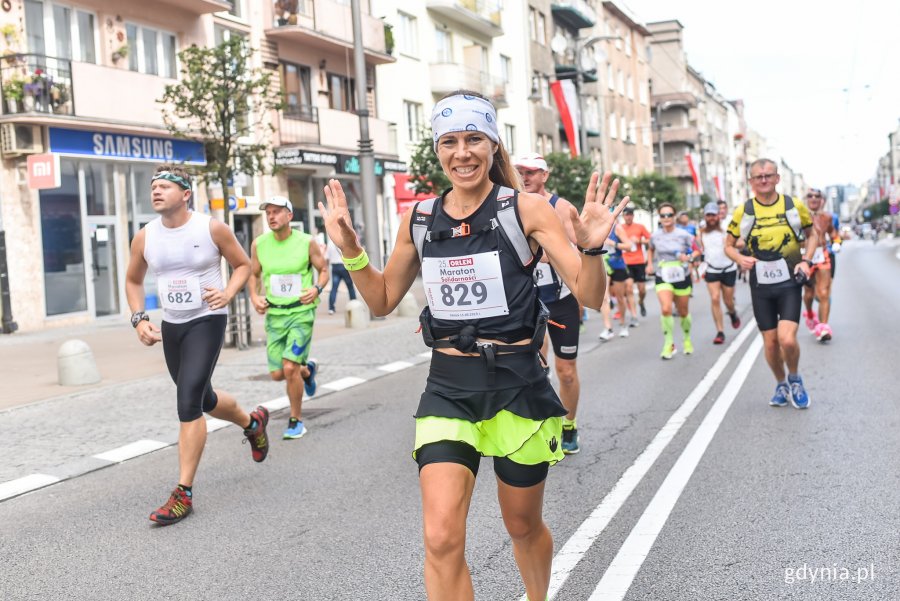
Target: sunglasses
x=814, y=196
x=666, y=215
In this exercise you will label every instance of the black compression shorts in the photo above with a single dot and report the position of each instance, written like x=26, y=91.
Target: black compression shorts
x=727, y=278
x=454, y=451
x=191, y=350
x=619, y=275
x=638, y=272
x=565, y=320
x=774, y=303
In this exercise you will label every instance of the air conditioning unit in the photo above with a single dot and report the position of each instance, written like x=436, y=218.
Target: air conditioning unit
x=17, y=139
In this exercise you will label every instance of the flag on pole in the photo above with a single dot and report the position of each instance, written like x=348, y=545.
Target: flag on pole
x=692, y=163
x=567, y=103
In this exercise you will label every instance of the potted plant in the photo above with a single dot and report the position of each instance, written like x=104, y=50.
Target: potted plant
x=389, y=38
x=121, y=53
x=36, y=91
x=59, y=97
x=13, y=91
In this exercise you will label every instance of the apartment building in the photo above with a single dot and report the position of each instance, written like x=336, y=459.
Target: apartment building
x=442, y=46
x=625, y=94
x=701, y=137
x=81, y=81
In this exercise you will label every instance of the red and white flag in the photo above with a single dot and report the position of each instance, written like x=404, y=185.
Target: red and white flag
x=693, y=162
x=567, y=102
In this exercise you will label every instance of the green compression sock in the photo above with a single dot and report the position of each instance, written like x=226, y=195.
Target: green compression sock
x=686, y=326
x=668, y=323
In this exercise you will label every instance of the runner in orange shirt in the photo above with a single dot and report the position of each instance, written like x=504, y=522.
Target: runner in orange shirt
x=635, y=260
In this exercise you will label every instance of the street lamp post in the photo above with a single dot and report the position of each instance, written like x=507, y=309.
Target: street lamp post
x=580, y=45
x=366, y=154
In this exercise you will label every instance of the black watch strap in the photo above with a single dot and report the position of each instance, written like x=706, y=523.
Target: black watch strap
x=592, y=252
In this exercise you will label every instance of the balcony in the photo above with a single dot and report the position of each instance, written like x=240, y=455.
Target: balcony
x=449, y=77
x=299, y=125
x=199, y=7
x=328, y=26
x=340, y=129
x=576, y=14
x=482, y=16
x=34, y=83
x=678, y=135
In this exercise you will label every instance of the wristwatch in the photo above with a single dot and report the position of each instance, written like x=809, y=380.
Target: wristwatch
x=320, y=289
x=137, y=317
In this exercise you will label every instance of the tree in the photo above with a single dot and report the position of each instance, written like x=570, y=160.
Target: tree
x=569, y=176
x=425, y=168
x=212, y=102
x=650, y=190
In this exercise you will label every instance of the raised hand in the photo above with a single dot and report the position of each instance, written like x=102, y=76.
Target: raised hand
x=596, y=221
x=337, y=219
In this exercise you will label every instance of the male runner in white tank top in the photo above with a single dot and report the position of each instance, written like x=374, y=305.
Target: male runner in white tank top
x=184, y=249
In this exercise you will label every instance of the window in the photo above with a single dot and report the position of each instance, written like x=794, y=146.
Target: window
x=621, y=81
x=151, y=51
x=642, y=92
x=632, y=132
x=610, y=77
x=618, y=35
x=646, y=135
x=443, y=46
x=408, y=42
x=628, y=43
x=545, y=92
x=541, y=29
x=236, y=9
x=341, y=92
x=532, y=23
x=629, y=88
x=73, y=31
x=505, y=69
x=297, y=92
x=613, y=126
x=415, y=121
x=623, y=128
x=509, y=138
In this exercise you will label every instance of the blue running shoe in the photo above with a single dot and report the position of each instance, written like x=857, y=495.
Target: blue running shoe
x=782, y=395
x=295, y=429
x=570, y=444
x=309, y=382
x=799, y=396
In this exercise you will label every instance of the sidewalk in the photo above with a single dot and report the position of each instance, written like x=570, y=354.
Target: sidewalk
x=29, y=359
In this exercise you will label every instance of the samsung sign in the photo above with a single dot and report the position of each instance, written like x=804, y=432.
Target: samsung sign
x=106, y=145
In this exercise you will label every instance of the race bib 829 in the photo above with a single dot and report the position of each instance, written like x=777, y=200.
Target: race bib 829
x=465, y=287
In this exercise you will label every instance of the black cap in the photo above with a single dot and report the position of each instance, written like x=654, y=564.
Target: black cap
x=629, y=210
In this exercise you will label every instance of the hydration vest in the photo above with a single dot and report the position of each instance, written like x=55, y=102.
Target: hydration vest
x=748, y=220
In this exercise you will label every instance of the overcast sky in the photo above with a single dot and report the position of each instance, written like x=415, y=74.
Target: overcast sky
x=820, y=79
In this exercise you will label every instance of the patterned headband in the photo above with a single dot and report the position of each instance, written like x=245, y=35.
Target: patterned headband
x=169, y=176
x=464, y=113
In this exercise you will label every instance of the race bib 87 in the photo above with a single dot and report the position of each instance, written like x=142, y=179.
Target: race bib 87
x=285, y=285
x=466, y=287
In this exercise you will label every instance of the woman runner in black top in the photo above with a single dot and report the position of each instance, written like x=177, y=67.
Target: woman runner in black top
x=486, y=392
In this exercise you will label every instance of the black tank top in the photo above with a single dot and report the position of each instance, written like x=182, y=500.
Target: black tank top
x=521, y=293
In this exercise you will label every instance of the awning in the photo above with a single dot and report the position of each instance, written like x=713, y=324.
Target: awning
x=405, y=192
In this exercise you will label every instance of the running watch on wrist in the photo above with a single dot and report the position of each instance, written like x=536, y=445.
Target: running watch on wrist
x=320, y=289
x=137, y=317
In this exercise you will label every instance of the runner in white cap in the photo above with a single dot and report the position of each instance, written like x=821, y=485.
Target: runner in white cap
x=282, y=261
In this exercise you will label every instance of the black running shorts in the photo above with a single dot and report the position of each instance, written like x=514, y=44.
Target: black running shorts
x=727, y=278
x=774, y=303
x=638, y=272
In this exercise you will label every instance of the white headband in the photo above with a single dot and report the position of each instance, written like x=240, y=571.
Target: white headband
x=464, y=113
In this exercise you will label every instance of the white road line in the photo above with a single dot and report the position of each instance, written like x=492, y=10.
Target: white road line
x=135, y=449
x=213, y=424
x=344, y=383
x=624, y=567
x=581, y=540
x=395, y=366
x=25, y=484
x=425, y=354
x=276, y=404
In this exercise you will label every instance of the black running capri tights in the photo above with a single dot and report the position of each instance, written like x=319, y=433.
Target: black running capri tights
x=191, y=350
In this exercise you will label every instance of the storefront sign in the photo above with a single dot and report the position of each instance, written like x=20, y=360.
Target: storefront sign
x=395, y=166
x=43, y=171
x=107, y=145
x=286, y=157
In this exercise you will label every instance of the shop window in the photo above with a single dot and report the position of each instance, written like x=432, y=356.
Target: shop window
x=64, y=282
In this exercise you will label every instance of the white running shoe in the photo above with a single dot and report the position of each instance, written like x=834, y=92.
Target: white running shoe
x=623, y=332
x=606, y=335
